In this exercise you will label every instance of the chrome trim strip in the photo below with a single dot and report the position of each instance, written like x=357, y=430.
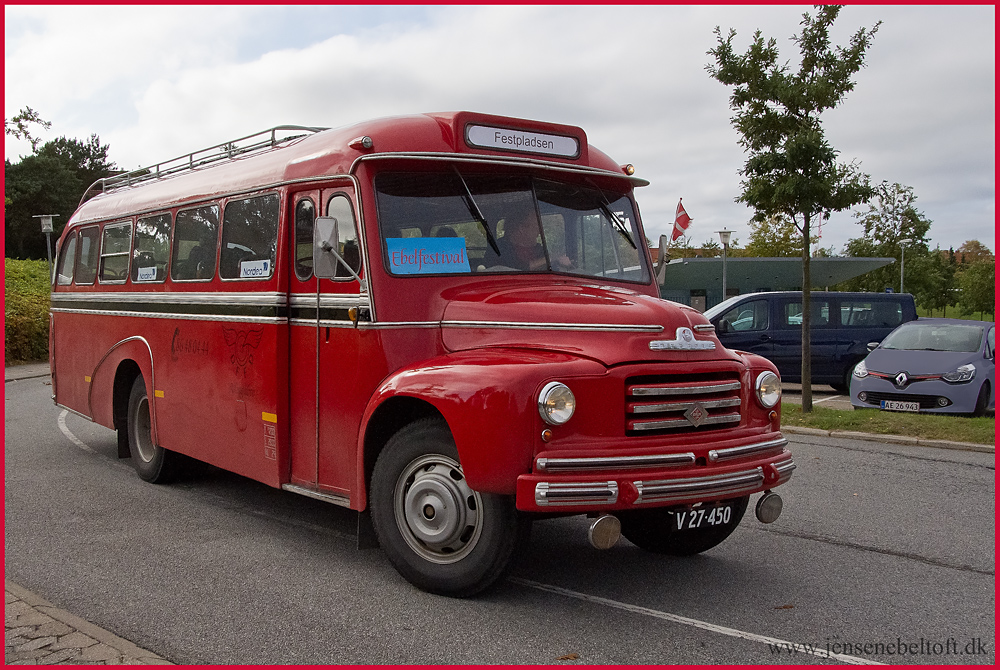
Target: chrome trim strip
x=504, y=160
x=342, y=501
x=785, y=466
x=179, y=298
x=347, y=300
x=612, y=327
x=684, y=406
x=684, y=423
x=716, y=455
x=684, y=390
x=576, y=493
x=71, y=410
x=379, y=325
x=678, y=489
x=704, y=328
x=188, y=317
x=614, y=462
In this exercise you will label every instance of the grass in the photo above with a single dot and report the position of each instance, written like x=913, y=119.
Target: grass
x=979, y=430
x=26, y=311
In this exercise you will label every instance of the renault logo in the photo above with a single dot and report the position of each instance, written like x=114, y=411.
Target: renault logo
x=901, y=380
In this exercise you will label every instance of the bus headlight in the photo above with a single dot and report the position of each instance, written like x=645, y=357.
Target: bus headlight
x=556, y=403
x=768, y=389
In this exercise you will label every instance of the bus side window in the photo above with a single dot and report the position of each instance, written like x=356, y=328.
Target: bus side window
x=305, y=218
x=249, y=238
x=65, y=275
x=115, y=250
x=152, y=248
x=86, y=263
x=339, y=207
x=196, y=240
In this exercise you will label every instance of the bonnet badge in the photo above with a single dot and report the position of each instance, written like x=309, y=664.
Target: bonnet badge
x=684, y=340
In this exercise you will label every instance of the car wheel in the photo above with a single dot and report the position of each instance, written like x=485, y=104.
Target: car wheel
x=982, y=400
x=152, y=462
x=440, y=534
x=844, y=386
x=655, y=530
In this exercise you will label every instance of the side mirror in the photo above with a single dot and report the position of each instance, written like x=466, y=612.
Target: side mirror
x=872, y=346
x=325, y=239
x=724, y=326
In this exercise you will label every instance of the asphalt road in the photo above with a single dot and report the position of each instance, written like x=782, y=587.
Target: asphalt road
x=884, y=553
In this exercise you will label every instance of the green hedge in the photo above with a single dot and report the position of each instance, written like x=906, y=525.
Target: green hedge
x=26, y=311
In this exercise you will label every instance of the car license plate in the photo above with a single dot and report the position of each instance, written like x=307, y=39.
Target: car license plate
x=703, y=517
x=901, y=405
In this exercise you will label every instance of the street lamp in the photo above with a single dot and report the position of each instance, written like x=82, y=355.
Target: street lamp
x=724, y=236
x=902, y=257
x=47, y=229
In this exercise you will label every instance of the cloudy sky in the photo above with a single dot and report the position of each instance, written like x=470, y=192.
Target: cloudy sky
x=156, y=82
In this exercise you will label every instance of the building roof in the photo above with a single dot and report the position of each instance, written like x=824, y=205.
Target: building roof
x=755, y=274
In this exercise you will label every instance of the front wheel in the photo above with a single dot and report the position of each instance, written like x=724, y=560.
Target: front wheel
x=440, y=534
x=982, y=400
x=657, y=530
x=152, y=462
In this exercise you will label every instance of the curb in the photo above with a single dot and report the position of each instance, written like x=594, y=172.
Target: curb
x=131, y=653
x=891, y=439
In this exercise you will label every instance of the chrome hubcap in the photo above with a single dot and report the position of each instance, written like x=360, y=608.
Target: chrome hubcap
x=142, y=431
x=436, y=511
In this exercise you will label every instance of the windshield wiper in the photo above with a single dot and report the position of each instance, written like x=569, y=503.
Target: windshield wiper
x=470, y=202
x=605, y=208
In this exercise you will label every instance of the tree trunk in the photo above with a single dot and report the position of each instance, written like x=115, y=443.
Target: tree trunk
x=807, y=398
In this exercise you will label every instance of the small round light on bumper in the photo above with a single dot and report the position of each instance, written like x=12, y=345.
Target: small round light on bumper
x=768, y=388
x=556, y=403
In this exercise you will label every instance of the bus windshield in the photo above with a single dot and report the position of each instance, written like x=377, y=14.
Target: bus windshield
x=442, y=223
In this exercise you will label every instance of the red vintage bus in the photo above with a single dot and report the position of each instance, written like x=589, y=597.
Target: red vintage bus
x=447, y=322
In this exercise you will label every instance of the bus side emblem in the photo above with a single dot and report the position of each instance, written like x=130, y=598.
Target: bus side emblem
x=684, y=340
x=242, y=342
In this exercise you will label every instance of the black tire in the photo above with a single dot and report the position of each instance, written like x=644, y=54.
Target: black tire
x=654, y=530
x=982, y=400
x=440, y=535
x=844, y=387
x=152, y=462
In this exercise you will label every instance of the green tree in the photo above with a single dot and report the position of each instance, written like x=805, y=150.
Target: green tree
x=50, y=181
x=892, y=216
x=977, y=288
x=775, y=236
x=18, y=125
x=791, y=169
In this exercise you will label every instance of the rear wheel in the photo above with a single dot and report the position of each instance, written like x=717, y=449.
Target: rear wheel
x=656, y=529
x=844, y=386
x=440, y=534
x=152, y=462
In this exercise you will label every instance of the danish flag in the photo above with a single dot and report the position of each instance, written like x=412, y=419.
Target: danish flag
x=681, y=220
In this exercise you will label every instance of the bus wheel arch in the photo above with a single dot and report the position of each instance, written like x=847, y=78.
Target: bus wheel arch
x=388, y=419
x=125, y=377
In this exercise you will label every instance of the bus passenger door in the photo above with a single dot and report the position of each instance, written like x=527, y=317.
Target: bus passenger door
x=324, y=344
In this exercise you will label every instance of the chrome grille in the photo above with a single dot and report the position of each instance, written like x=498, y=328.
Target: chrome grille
x=683, y=403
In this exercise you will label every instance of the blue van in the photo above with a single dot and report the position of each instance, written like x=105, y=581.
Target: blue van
x=842, y=325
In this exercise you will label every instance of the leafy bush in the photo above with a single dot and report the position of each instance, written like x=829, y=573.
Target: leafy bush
x=26, y=311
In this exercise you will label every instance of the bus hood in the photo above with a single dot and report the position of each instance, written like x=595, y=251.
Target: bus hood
x=610, y=324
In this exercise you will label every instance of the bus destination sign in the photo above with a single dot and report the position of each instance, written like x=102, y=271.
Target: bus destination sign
x=507, y=139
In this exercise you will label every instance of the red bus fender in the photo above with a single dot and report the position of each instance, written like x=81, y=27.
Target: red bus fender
x=488, y=398
x=101, y=397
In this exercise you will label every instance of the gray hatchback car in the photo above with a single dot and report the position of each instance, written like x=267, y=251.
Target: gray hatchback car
x=930, y=365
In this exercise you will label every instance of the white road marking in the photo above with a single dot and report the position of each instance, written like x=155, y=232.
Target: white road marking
x=829, y=397
x=787, y=649
x=69, y=435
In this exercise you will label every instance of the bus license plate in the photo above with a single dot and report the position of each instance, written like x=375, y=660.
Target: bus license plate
x=703, y=517
x=901, y=405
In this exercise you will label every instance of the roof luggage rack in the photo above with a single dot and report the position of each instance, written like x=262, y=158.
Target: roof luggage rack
x=242, y=146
